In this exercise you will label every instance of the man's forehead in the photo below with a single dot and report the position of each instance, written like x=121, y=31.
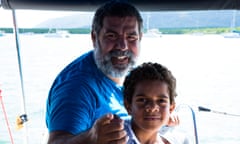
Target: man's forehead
x=116, y=21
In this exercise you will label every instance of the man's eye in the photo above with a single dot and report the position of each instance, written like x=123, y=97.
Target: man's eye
x=132, y=37
x=111, y=36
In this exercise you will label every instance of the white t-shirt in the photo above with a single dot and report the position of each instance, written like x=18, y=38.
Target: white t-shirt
x=166, y=132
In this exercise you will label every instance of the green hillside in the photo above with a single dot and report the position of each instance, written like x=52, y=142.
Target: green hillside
x=166, y=22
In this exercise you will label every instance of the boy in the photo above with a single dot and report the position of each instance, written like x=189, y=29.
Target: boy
x=149, y=97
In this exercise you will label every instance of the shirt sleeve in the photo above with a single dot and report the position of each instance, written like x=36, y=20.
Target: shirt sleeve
x=71, y=108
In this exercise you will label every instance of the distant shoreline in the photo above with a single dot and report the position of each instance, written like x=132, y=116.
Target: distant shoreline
x=187, y=30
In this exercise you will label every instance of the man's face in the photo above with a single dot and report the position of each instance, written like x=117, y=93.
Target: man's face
x=117, y=45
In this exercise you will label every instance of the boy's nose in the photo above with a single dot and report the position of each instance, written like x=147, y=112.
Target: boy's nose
x=152, y=107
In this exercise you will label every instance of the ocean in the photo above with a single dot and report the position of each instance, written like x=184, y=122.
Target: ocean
x=206, y=67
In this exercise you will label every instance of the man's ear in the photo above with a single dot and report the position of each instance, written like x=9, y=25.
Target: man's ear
x=140, y=36
x=128, y=107
x=94, y=38
x=172, y=107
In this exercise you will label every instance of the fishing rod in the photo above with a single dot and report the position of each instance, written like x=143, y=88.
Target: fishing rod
x=204, y=109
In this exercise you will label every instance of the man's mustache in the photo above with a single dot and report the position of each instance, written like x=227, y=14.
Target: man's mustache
x=118, y=53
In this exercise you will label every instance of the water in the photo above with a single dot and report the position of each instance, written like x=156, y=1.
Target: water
x=206, y=67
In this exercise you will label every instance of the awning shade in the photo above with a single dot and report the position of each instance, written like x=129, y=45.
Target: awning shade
x=144, y=5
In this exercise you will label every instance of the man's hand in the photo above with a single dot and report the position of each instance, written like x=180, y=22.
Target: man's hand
x=109, y=129
x=173, y=120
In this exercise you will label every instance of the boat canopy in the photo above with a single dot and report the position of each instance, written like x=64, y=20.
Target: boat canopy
x=143, y=5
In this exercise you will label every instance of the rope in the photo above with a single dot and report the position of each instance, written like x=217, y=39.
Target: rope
x=6, y=119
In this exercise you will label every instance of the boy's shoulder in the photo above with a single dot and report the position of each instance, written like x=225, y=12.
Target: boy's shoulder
x=132, y=137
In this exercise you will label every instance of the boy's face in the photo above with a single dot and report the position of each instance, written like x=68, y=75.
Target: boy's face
x=150, y=108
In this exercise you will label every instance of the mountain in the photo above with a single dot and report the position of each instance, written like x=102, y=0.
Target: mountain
x=179, y=19
x=195, y=19
x=72, y=21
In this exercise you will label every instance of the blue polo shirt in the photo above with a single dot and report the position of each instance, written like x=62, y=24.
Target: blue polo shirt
x=80, y=94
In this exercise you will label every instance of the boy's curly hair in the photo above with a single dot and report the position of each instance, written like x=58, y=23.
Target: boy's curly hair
x=149, y=71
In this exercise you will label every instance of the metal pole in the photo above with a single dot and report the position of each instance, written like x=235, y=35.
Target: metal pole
x=194, y=121
x=16, y=33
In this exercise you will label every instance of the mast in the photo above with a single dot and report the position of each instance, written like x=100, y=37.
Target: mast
x=233, y=22
x=23, y=117
x=148, y=18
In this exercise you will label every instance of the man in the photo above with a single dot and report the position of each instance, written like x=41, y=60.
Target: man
x=86, y=94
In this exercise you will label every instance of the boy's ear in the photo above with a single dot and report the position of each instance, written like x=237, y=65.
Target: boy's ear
x=128, y=107
x=172, y=107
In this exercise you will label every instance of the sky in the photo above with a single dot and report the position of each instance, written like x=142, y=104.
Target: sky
x=28, y=18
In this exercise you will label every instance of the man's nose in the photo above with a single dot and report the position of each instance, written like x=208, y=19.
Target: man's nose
x=122, y=43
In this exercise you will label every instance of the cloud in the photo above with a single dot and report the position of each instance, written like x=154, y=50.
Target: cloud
x=29, y=18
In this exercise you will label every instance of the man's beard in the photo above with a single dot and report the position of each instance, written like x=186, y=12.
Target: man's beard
x=105, y=64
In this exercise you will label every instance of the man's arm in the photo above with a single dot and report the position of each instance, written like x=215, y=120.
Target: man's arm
x=62, y=137
x=105, y=130
x=172, y=122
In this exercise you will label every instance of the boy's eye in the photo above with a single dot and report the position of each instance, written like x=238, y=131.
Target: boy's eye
x=141, y=100
x=146, y=101
x=162, y=101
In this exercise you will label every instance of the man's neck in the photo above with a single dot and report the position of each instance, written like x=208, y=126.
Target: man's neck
x=119, y=81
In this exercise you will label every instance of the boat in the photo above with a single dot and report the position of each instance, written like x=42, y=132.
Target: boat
x=153, y=33
x=58, y=34
x=233, y=33
x=2, y=33
x=206, y=67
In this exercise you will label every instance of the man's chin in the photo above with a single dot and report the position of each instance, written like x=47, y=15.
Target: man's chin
x=121, y=67
x=119, y=72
